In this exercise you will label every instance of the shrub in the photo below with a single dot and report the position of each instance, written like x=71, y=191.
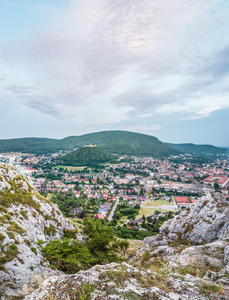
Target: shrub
x=34, y=250
x=67, y=255
x=15, y=228
x=51, y=230
x=71, y=234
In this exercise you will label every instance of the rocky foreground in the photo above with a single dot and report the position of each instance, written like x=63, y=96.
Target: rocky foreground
x=25, y=218
x=188, y=259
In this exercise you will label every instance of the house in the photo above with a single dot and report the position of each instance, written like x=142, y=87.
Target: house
x=99, y=216
x=182, y=201
x=74, y=211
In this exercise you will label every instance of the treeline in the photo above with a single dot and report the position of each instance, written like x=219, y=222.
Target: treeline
x=125, y=209
x=67, y=201
x=137, y=232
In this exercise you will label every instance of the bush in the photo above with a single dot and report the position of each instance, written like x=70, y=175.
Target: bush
x=102, y=246
x=67, y=255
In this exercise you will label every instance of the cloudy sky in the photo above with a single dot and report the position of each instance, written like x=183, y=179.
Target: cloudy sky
x=69, y=67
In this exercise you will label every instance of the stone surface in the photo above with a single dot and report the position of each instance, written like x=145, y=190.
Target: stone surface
x=23, y=224
x=202, y=222
x=119, y=281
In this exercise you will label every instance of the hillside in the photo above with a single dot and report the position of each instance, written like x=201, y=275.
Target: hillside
x=199, y=149
x=119, y=142
x=88, y=156
x=187, y=260
x=25, y=218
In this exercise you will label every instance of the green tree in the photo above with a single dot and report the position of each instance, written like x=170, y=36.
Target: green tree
x=102, y=241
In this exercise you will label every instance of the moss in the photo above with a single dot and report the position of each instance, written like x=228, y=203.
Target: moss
x=19, y=197
x=11, y=235
x=2, y=237
x=20, y=260
x=28, y=243
x=24, y=214
x=4, y=218
x=8, y=253
x=3, y=209
x=51, y=230
x=71, y=234
x=145, y=258
x=34, y=250
x=84, y=291
x=209, y=289
x=14, y=227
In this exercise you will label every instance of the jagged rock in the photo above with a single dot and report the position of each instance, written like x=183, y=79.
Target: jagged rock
x=120, y=281
x=204, y=221
x=26, y=218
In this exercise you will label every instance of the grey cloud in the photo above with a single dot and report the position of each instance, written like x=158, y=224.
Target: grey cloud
x=20, y=89
x=43, y=104
x=217, y=64
x=139, y=37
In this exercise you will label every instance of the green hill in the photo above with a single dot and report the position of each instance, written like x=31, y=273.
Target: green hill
x=119, y=142
x=88, y=156
x=199, y=149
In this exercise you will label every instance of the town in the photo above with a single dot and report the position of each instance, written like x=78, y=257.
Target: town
x=136, y=194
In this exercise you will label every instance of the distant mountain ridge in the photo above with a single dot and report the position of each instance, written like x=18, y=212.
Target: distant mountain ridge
x=199, y=149
x=119, y=142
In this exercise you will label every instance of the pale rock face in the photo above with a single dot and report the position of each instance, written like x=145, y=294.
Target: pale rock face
x=37, y=219
x=204, y=221
x=105, y=284
x=226, y=255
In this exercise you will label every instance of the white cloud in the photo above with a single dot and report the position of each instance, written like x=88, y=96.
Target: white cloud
x=143, y=54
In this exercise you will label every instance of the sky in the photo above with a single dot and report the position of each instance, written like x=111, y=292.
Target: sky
x=151, y=66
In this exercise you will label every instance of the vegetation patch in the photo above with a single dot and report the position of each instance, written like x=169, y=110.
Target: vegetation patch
x=51, y=230
x=18, y=197
x=8, y=253
x=71, y=234
x=209, y=289
x=101, y=247
x=14, y=227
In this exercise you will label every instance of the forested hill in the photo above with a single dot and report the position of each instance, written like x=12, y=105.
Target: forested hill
x=120, y=142
x=88, y=156
x=199, y=149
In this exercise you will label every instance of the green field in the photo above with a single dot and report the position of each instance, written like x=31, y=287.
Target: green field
x=70, y=168
x=157, y=203
x=148, y=211
x=124, y=218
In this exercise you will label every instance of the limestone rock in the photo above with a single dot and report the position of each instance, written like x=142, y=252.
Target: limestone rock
x=26, y=218
x=202, y=222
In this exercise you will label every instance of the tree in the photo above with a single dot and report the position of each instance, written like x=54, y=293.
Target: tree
x=67, y=255
x=102, y=241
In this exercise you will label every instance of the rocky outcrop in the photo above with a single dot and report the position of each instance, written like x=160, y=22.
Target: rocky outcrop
x=187, y=260
x=202, y=222
x=123, y=281
x=25, y=218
